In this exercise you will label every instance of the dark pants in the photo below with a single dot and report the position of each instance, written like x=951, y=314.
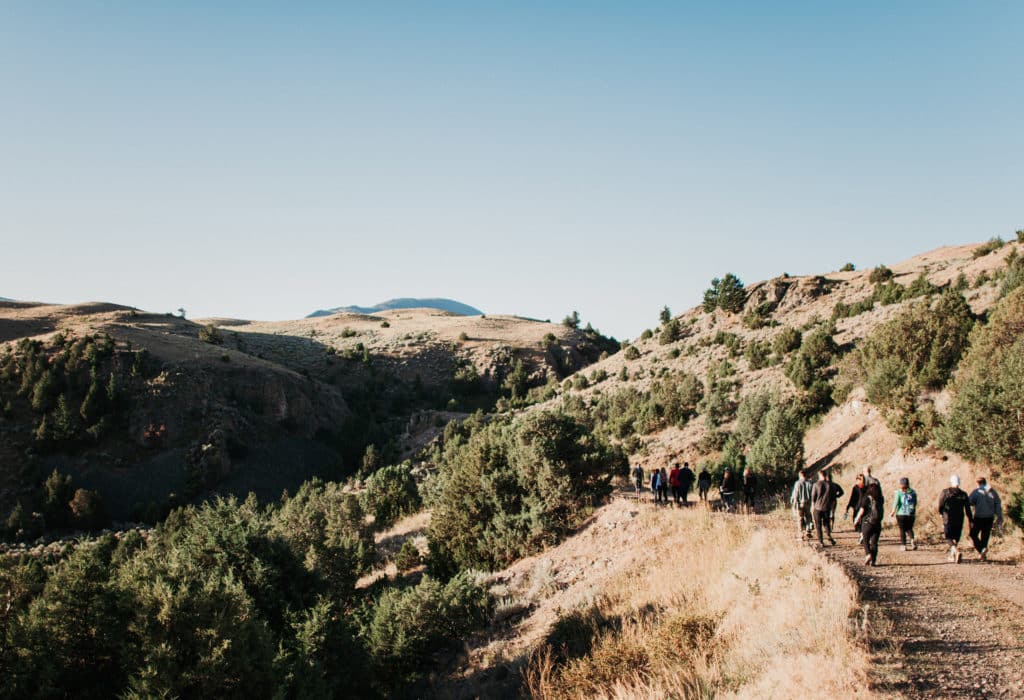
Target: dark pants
x=906, y=523
x=702, y=491
x=980, y=532
x=676, y=493
x=685, y=491
x=871, y=531
x=821, y=520
x=953, y=529
x=663, y=494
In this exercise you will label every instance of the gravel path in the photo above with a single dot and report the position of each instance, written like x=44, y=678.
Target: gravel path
x=939, y=630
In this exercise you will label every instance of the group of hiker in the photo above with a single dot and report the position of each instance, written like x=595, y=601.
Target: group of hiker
x=815, y=506
x=680, y=480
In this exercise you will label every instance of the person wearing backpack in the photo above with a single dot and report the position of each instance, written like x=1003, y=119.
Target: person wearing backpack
x=673, y=482
x=703, y=484
x=904, y=509
x=638, y=479
x=686, y=478
x=954, y=506
x=656, y=484
x=821, y=504
x=869, y=517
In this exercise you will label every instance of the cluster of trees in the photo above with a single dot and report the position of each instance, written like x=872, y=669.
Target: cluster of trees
x=57, y=505
x=505, y=488
x=227, y=599
x=727, y=294
x=915, y=352
x=75, y=386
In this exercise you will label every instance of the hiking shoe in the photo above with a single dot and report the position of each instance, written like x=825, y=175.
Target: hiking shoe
x=860, y=539
x=903, y=547
x=832, y=541
x=913, y=545
x=867, y=560
x=949, y=554
x=956, y=555
x=984, y=554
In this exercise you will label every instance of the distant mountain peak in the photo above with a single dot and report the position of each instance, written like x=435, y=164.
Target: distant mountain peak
x=449, y=305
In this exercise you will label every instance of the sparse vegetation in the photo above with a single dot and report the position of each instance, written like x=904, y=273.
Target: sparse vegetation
x=880, y=275
x=991, y=246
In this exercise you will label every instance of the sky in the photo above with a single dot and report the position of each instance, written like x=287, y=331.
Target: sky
x=263, y=160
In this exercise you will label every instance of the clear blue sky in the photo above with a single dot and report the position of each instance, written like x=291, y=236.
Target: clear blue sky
x=262, y=160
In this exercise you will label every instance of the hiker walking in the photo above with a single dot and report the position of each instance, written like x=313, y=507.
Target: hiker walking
x=686, y=478
x=869, y=517
x=673, y=482
x=663, y=486
x=730, y=485
x=800, y=500
x=638, y=479
x=821, y=503
x=703, y=484
x=988, y=509
x=656, y=484
x=835, y=493
x=749, y=489
x=904, y=509
x=954, y=505
x=851, y=507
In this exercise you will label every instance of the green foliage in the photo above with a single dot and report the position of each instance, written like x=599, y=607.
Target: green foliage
x=572, y=320
x=750, y=417
x=757, y=353
x=718, y=405
x=665, y=316
x=730, y=341
x=984, y=421
x=408, y=625
x=880, y=275
x=992, y=245
x=408, y=556
x=1020, y=235
x=848, y=267
x=811, y=363
x=505, y=489
x=88, y=511
x=760, y=316
x=389, y=493
x=647, y=334
x=778, y=451
x=57, y=493
x=631, y=353
x=786, y=340
x=211, y=334
x=670, y=332
x=517, y=381
x=726, y=293
x=1014, y=274
x=915, y=351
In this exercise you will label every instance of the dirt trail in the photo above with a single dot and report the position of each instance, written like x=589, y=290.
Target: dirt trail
x=957, y=631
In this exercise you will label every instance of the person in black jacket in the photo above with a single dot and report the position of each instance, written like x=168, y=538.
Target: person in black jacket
x=954, y=506
x=749, y=489
x=869, y=517
x=686, y=479
x=854, y=503
x=821, y=503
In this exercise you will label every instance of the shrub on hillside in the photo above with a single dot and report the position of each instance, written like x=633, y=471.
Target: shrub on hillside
x=510, y=487
x=726, y=293
x=917, y=350
x=211, y=334
x=848, y=267
x=880, y=275
x=647, y=334
x=409, y=625
x=778, y=451
x=670, y=332
x=984, y=419
x=631, y=353
x=992, y=245
x=786, y=340
x=389, y=493
x=757, y=353
x=810, y=364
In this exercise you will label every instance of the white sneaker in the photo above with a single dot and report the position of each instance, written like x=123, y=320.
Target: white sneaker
x=956, y=555
x=984, y=554
x=913, y=545
x=903, y=547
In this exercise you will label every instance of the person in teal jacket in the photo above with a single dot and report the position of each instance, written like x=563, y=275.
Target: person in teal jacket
x=904, y=508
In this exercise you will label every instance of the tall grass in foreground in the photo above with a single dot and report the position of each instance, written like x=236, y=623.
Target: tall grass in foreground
x=725, y=607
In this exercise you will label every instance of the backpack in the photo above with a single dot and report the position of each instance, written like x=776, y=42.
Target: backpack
x=910, y=502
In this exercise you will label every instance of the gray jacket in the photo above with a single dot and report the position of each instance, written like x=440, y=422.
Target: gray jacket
x=986, y=504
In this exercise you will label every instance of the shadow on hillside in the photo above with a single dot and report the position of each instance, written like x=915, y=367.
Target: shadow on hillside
x=827, y=460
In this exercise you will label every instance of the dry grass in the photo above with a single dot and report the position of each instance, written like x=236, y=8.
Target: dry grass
x=725, y=607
